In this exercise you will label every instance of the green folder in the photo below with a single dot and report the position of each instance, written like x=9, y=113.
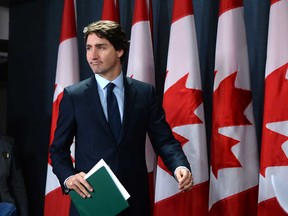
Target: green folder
x=105, y=200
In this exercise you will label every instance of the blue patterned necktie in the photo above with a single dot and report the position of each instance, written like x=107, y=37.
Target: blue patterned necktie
x=114, y=119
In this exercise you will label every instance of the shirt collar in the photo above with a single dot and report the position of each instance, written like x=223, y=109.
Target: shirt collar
x=102, y=82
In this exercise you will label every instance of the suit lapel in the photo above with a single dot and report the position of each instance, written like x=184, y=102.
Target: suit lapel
x=93, y=100
x=129, y=99
x=92, y=96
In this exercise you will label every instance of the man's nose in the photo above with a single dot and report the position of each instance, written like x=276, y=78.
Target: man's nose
x=94, y=53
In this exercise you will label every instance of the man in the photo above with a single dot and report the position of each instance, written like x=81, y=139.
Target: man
x=84, y=113
x=12, y=187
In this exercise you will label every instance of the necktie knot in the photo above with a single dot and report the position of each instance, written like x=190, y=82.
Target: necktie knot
x=110, y=86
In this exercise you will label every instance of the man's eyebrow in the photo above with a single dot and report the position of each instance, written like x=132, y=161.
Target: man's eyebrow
x=102, y=44
x=99, y=44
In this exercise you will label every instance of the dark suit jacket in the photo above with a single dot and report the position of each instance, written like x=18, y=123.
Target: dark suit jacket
x=12, y=187
x=81, y=115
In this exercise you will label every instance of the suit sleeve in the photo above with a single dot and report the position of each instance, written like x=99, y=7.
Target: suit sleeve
x=63, y=138
x=160, y=134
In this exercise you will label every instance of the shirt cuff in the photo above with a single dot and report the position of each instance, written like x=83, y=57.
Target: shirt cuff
x=180, y=167
x=66, y=189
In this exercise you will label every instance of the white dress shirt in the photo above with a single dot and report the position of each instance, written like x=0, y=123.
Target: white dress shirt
x=118, y=91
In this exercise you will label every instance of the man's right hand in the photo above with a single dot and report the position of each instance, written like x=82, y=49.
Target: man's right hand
x=79, y=184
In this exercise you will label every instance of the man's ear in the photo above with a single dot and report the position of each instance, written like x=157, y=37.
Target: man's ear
x=120, y=53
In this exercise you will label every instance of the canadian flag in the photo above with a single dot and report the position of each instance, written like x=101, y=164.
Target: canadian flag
x=274, y=151
x=183, y=104
x=141, y=67
x=141, y=60
x=67, y=73
x=110, y=10
x=234, y=154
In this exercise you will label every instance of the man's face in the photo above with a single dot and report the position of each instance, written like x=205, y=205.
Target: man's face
x=102, y=57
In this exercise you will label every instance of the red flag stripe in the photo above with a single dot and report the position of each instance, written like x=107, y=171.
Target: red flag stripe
x=68, y=21
x=58, y=208
x=226, y=5
x=274, y=1
x=195, y=202
x=181, y=9
x=110, y=10
x=140, y=11
x=237, y=205
x=270, y=207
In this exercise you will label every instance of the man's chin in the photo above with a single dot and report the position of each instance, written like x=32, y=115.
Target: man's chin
x=97, y=72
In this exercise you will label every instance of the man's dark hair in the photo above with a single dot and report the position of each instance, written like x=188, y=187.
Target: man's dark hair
x=111, y=31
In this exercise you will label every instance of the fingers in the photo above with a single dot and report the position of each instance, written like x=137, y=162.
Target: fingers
x=187, y=186
x=185, y=179
x=79, y=184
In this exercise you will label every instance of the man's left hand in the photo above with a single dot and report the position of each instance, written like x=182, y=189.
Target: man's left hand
x=184, y=178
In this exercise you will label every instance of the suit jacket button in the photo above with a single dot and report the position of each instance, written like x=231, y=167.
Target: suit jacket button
x=6, y=155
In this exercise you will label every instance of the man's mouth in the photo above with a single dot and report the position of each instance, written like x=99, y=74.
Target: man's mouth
x=95, y=63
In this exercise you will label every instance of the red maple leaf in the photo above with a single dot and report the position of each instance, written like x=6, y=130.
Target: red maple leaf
x=275, y=110
x=180, y=103
x=229, y=104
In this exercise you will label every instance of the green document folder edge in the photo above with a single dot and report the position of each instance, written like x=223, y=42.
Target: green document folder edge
x=105, y=200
